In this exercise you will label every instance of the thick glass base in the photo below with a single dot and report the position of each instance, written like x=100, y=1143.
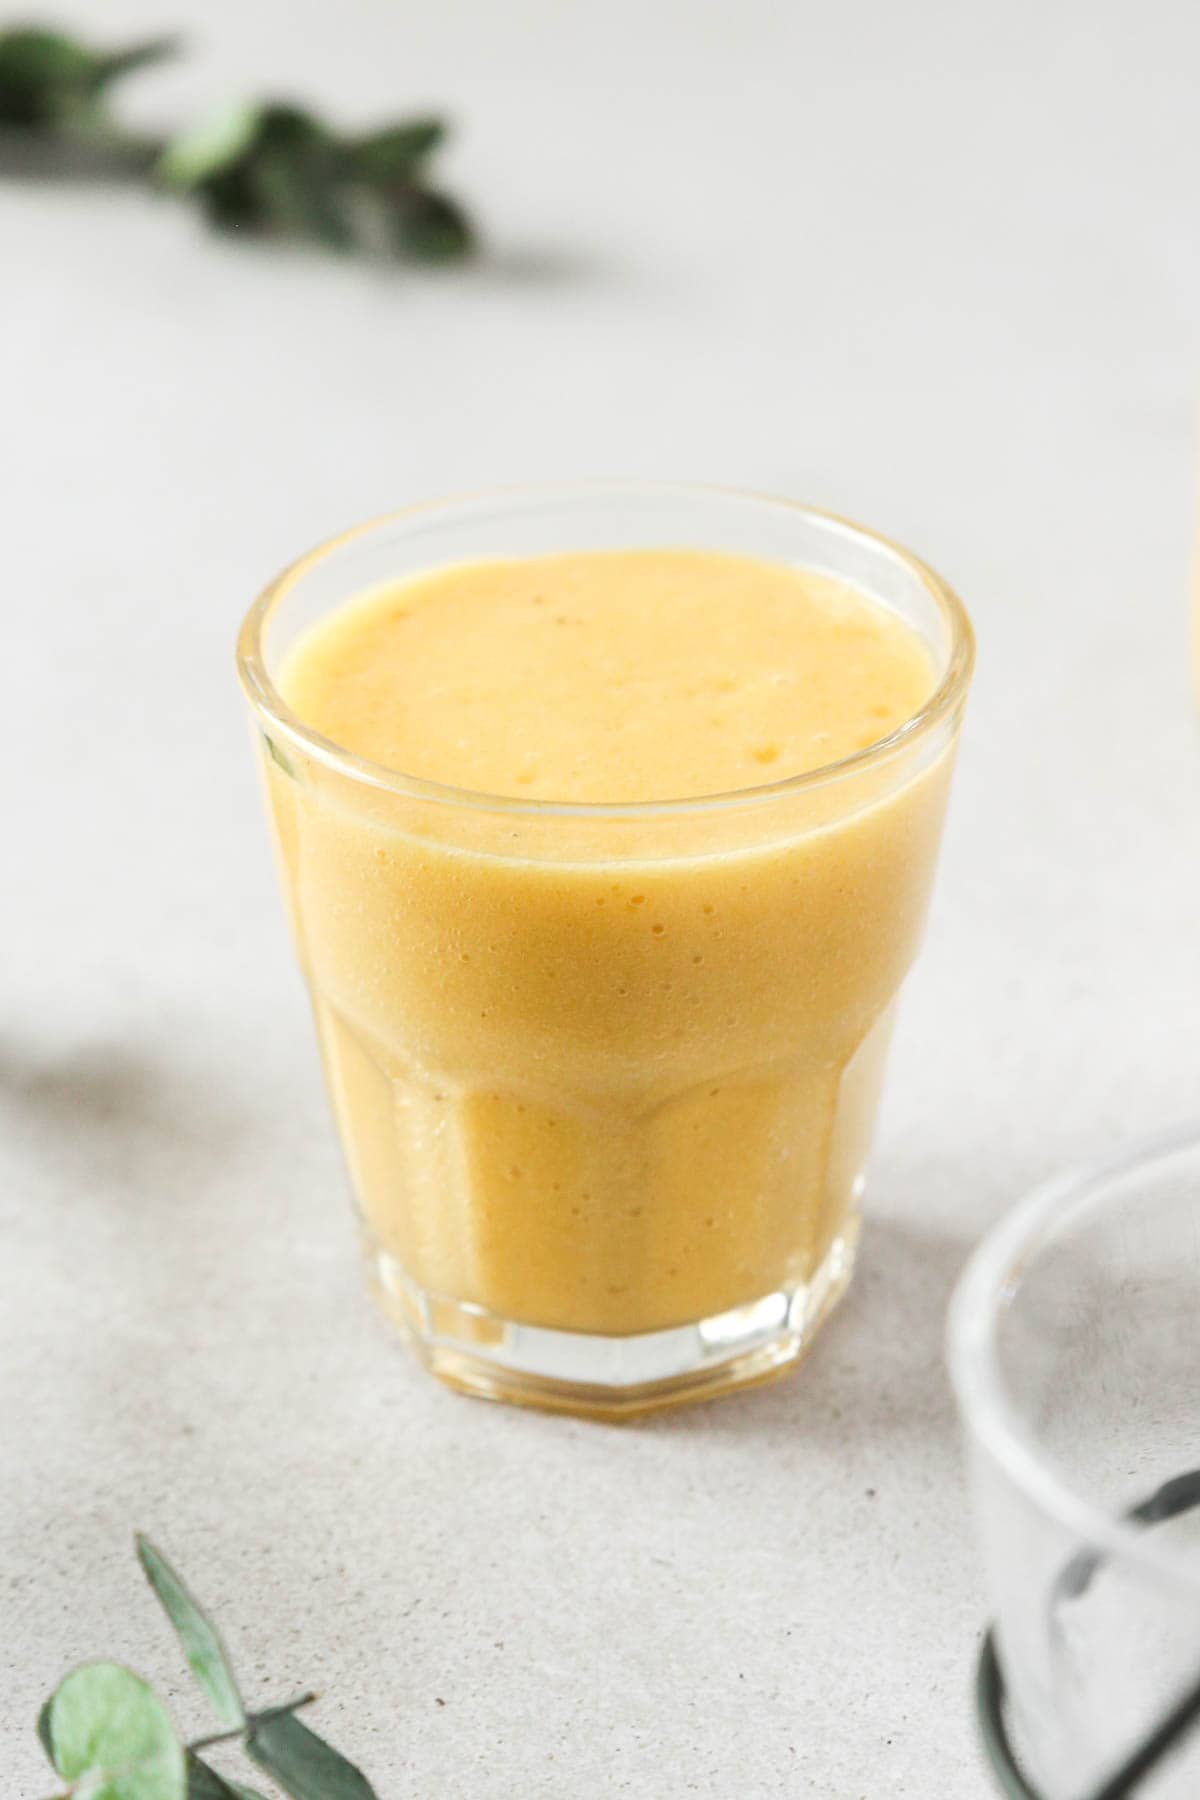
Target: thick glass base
x=612, y=1377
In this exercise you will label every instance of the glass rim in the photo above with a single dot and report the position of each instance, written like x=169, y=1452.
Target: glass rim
x=269, y=703
x=994, y=1270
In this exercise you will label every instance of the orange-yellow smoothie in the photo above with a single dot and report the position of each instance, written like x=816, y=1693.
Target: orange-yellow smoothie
x=608, y=1073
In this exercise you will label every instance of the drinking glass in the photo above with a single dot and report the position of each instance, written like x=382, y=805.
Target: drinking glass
x=1075, y=1353
x=605, y=1075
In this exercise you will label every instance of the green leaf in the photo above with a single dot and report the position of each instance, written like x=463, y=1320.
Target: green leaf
x=431, y=227
x=48, y=79
x=42, y=75
x=197, y=1634
x=298, y=197
x=135, y=56
x=232, y=203
x=265, y=167
x=106, y=1724
x=43, y=1731
x=304, y=1765
x=287, y=127
x=393, y=153
x=295, y=169
x=211, y=148
x=205, y=1784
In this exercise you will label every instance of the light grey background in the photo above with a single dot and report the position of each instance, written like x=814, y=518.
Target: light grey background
x=933, y=265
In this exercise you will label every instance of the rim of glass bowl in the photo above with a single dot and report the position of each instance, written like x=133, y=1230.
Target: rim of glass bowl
x=992, y=1276
x=269, y=703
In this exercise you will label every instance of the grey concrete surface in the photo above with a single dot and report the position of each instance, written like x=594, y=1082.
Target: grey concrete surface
x=936, y=266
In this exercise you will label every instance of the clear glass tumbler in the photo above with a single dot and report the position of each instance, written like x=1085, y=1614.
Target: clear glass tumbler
x=605, y=1075
x=1075, y=1352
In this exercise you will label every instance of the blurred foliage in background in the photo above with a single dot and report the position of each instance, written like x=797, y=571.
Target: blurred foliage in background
x=269, y=167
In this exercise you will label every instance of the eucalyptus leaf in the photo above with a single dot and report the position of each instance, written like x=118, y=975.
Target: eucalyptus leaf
x=43, y=1731
x=431, y=227
x=115, y=63
x=43, y=74
x=108, y=1725
x=204, y=1783
x=295, y=167
x=304, y=1765
x=206, y=1655
x=270, y=167
x=231, y=201
x=47, y=78
x=283, y=126
x=393, y=153
x=298, y=197
x=211, y=148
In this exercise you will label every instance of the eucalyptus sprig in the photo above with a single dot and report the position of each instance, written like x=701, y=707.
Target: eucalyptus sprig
x=110, y=1737
x=49, y=81
x=270, y=167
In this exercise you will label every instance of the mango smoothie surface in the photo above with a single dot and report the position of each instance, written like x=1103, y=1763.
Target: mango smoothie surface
x=625, y=1082
x=610, y=676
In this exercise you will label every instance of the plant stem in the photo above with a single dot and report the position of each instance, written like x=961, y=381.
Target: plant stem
x=252, y=1719
x=79, y=153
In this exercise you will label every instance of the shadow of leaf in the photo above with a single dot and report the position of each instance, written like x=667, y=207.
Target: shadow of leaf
x=99, y=1109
